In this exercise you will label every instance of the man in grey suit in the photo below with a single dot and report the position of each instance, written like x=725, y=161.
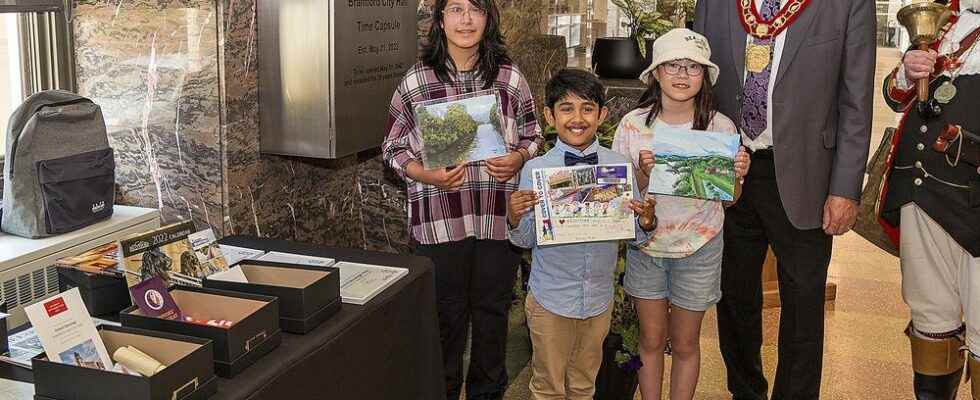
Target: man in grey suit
x=797, y=76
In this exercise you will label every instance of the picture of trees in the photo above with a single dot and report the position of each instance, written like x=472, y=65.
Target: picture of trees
x=701, y=177
x=694, y=164
x=461, y=130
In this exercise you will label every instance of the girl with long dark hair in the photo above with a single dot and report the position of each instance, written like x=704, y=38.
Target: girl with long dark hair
x=458, y=215
x=676, y=276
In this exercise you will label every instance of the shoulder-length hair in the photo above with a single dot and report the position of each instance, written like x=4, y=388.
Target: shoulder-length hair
x=704, y=107
x=491, y=55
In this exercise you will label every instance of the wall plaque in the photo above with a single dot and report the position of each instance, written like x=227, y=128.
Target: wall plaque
x=327, y=70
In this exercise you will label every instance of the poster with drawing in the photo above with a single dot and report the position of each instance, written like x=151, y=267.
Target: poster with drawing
x=584, y=203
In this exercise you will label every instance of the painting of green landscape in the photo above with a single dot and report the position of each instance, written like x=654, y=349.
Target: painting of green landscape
x=694, y=164
x=460, y=130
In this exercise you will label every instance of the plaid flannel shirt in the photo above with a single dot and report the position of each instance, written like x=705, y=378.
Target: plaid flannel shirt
x=479, y=207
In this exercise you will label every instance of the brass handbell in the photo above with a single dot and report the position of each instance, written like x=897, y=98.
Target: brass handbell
x=924, y=19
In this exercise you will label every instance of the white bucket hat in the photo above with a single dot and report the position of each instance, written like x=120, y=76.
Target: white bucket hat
x=679, y=44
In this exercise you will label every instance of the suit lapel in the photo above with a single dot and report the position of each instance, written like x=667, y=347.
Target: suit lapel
x=795, y=36
x=738, y=37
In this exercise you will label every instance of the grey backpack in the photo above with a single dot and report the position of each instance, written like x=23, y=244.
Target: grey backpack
x=59, y=173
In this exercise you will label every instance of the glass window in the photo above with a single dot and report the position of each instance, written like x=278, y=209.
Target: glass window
x=577, y=21
x=580, y=22
x=35, y=54
x=11, y=80
x=890, y=33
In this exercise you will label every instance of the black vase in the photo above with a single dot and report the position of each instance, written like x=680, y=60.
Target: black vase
x=619, y=57
x=612, y=382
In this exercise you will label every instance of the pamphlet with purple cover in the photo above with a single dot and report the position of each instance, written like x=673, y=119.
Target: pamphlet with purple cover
x=154, y=300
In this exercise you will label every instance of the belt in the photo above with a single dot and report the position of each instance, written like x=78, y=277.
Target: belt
x=765, y=154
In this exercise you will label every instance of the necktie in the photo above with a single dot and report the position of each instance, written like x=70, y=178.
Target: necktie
x=755, y=93
x=572, y=159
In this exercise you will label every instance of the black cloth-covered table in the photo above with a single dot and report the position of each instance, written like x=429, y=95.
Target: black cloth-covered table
x=386, y=349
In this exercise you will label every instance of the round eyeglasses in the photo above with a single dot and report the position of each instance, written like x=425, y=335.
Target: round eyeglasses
x=689, y=69
x=456, y=12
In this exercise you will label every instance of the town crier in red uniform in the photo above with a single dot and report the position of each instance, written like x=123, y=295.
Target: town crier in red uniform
x=931, y=204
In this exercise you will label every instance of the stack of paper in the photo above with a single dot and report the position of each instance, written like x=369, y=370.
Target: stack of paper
x=299, y=259
x=359, y=283
x=234, y=254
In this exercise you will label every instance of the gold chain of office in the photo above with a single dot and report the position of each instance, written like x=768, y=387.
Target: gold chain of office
x=758, y=56
x=762, y=29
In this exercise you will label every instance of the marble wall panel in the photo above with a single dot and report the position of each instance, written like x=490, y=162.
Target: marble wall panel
x=178, y=81
x=152, y=66
x=349, y=202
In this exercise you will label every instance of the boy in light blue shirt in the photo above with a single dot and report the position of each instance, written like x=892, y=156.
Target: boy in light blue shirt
x=569, y=304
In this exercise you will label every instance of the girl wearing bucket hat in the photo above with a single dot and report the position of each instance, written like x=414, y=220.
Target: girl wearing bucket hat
x=676, y=277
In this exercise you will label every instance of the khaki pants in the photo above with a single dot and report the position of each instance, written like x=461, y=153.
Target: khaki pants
x=940, y=280
x=567, y=352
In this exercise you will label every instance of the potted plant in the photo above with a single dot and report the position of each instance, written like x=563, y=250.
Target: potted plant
x=626, y=58
x=680, y=12
x=538, y=55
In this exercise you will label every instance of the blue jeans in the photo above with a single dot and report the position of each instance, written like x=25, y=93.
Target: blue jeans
x=692, y=283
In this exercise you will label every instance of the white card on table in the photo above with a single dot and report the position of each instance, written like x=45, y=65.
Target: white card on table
x=67, y=332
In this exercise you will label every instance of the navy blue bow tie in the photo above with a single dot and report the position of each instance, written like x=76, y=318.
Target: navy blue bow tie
x=572, y=159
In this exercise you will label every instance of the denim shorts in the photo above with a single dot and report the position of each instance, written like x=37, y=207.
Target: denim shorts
x=692, y=283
